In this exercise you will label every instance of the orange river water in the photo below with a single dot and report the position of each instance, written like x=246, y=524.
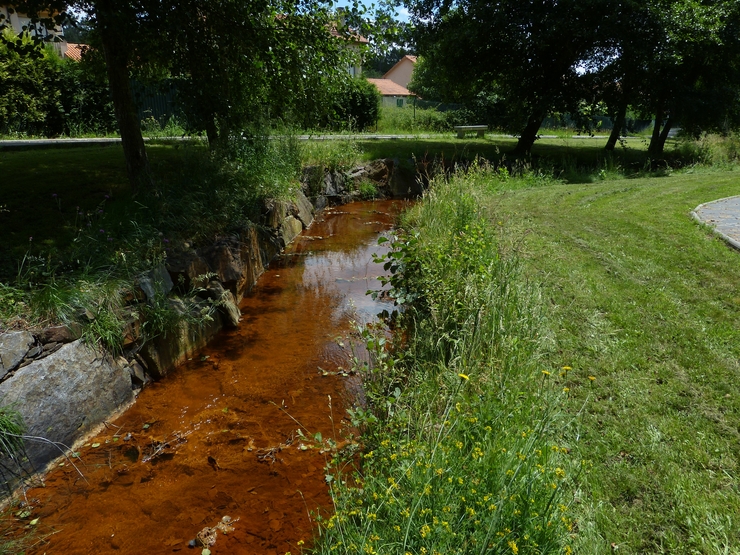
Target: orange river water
x=217, y=437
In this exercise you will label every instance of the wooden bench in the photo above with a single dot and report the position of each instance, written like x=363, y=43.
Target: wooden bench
x=462, y=129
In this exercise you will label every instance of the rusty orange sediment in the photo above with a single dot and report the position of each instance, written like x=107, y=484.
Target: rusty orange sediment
x=218, y=437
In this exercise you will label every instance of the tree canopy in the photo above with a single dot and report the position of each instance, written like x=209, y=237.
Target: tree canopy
x=676, y=60
x=237, y=62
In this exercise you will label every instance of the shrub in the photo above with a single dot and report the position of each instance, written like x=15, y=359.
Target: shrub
x=411, y=120
x=45, y=95
x=27, y=93
x=357, y=106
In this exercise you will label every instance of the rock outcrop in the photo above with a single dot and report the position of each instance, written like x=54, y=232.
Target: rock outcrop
x=64, y=396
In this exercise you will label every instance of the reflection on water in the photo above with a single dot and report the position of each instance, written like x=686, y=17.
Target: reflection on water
x=218, y=436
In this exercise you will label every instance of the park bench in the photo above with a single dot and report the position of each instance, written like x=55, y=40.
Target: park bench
x=462, y=129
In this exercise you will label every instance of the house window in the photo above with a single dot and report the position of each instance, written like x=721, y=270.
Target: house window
x=399, y=102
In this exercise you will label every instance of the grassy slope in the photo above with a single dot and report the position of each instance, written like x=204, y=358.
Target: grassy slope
x=89, y=178
x=647, y=302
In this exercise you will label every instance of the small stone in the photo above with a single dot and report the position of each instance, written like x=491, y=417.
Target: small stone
x=138, y=375
x=13, y=346
x=60, y=334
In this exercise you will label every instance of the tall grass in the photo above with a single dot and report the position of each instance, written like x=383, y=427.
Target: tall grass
x=413, y=120
x=709, y=150
x=461, y=446
x=197, y=196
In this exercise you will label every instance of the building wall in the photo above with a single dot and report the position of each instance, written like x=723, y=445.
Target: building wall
x=397, y=101
x=19, y=20
x=401, y=74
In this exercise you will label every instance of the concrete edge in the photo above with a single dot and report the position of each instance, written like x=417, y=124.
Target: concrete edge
x=694, y=214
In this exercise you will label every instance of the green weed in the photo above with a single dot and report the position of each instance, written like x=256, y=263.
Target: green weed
x=333, y=155
x=462, y=452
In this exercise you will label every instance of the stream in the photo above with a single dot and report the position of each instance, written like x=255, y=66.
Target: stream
x=218, y=436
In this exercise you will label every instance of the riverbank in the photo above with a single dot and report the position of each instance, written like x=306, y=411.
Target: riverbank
x=65, y=388
x=242, y=429
x=622, y=318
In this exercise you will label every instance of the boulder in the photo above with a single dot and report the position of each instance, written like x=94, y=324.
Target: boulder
x=225, y=260
x=14, y=347
x=164, y=352
x=64, y=396
x=403, y=182
x=156, y=281
x=60, y=334
x=304, y=211
x=226, y=303
x=290, y=229
x=139, y=377
x=187, y=266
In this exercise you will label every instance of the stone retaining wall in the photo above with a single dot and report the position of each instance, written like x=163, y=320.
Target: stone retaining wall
x=65, y=389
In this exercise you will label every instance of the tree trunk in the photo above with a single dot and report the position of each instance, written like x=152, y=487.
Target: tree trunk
x=528, y=136
x=617, y=126
x=211, y=133
x=654, y=148
x=664, y=135
x=116, y=50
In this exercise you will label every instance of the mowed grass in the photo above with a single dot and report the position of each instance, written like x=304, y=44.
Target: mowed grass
x=646, y=310
x=47, y=196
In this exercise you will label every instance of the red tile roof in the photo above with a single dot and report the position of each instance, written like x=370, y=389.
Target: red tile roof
x=74, y=51
x=389, y=88
x=352, y=37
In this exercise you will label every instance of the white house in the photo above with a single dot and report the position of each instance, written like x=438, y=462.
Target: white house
x=393, y=94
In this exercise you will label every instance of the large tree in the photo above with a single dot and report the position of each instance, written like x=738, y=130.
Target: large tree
x=677, y=61
x=250, y=60
x=237, y=61
x=527, y=52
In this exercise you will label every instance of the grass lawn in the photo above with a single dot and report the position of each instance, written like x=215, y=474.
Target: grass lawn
x=51, y=194
x=647, y=302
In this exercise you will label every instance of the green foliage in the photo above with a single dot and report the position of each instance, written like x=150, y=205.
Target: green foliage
x=223, y=191
x=412, y=120
x=337, y=155
x=81, y=260
x=357, y=105
x=526, y=53
x=462, y=452
x=250, y=61
x=12, y=429
x=45, y=95
x=367, y=189
x=710, y=150
x=28, y=93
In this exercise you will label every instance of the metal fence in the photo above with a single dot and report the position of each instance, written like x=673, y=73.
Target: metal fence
x=156, y=101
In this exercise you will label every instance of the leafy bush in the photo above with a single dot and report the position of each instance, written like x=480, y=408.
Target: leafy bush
x=412, y=120
x=27, y=94
x=45, y=95
x=709, y=150
x=357, y=105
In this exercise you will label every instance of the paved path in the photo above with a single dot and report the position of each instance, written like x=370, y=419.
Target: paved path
x=25, y=144
x=724, y=216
